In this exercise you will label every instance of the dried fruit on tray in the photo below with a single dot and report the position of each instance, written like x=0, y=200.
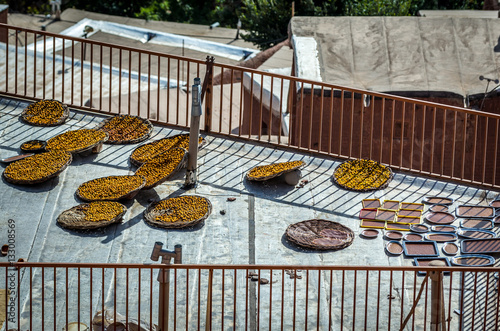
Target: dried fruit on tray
x=269, y=171
x=362, y=175
x=149, y=151
x=126, y=129
x=37, y=168
x=111, y=188
x=92, y=215
x=33, y=146
x=45, y=113
x=179, y=211
x=76, y=141
x=162, y=167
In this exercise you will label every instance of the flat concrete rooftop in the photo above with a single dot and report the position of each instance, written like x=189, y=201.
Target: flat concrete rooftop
x=251, y=230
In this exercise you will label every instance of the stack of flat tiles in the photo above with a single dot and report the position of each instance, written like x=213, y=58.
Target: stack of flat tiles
x=390, y=214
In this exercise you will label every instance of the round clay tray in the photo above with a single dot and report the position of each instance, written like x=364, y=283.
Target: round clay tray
x=439, y=208
x=394, y=248
x=413, y=237
x=450, y=249
x=440, y=218
x=394, y=235
x=421, y=228
x=369, y=233
x=444, y=228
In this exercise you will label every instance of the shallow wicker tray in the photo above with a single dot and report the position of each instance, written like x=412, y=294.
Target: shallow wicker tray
x=95, y=148
x=383, y=186
x=39, y=180
x=320, y=234
x=263, y=178
x=179, y=166
x=139, y=163
x=150, y=214
x=145, y=136
x=74, y=219
x=34, y=150
x=61, y=120
x=129, y=195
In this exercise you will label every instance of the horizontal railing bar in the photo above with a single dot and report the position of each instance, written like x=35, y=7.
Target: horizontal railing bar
x=242, y=267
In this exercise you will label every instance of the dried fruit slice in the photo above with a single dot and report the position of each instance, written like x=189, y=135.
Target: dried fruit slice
x=45, y=113
x=111, y=188
x=161, y=168
x=265, y=172
x=178, y=212
x=76, y=141
x=362, y=175
x=37, y=168
x=92, y=215
x=126, y=129
x=149, y=151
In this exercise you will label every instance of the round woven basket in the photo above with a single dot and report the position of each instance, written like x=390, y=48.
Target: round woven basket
x=74, y=218
x=263, y=178
x=94, y=147
x=127, y=195
x=357, y=175
x=138, y=162
x=25, y=116
x=182, y=163
x=25, y=147
x=320, y=234
x=51, y=175
x=152, y=212
x=113, y=139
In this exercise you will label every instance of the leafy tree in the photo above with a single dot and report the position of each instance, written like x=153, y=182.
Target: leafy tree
x=267, y=20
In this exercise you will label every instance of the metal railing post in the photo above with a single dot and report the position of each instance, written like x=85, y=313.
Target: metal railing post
x=164, y=280
x=194, y=132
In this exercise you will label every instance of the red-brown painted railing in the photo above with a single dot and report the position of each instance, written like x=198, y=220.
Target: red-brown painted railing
x=415, y=136
x=46, y=296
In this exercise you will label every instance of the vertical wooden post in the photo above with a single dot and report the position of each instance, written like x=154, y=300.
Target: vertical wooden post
x=208, y=89
x=437, y=300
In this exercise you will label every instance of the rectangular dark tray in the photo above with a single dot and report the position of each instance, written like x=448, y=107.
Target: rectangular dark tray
x=409, y=248
x=424, y=261
x=479, y=246
x=474, y=211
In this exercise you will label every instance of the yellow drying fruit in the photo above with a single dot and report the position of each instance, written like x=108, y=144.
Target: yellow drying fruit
x=44, y=112
x=75, y=140
x=32, y=145
x=125, y=128
x=362, y=175
x=161, y=167
x=36, y=167
x=272, y=169
x=147, y=152
x=109, y=188
x=181, y=209
x=101, y=210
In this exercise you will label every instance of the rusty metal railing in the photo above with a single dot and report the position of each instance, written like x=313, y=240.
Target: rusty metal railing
x=423, y=138
x=46, y=296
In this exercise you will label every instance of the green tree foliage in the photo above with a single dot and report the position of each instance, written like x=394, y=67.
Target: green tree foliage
x=267, y=20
